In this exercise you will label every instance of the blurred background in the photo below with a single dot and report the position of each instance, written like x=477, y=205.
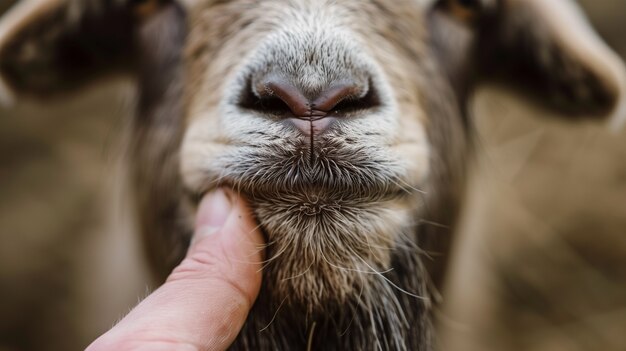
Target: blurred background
x=540, y=262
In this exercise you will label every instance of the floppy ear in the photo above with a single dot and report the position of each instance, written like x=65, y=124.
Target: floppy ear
x=47, y=46
x=548, y=48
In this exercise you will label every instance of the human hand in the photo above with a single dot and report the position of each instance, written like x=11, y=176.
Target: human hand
x=206, y=299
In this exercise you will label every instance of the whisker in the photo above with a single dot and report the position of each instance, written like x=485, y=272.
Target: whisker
x=392, y=283
x=354, y=269
x=298, y=275
x=423, y=192
x=358, y=299
x=274, y=317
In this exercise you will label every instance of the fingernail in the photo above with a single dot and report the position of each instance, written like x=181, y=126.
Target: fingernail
x=212, y=213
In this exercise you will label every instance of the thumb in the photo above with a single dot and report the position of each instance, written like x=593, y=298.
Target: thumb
x=226, y=245
x=206, y=300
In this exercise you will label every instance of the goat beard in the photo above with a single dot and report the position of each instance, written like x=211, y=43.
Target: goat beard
x=339, y=275
x=323, y=250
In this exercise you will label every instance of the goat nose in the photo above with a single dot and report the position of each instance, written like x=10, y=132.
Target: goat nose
x=311, y=113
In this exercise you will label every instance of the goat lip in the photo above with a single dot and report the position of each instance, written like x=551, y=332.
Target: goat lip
x=321, y=196
x=281, y=190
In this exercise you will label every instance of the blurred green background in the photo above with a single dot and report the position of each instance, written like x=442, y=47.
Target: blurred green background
x=540, y=265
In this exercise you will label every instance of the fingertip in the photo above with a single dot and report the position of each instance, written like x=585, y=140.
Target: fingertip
x=214, y=209
x=224, y=212
x=228, y=235
x=243, y=221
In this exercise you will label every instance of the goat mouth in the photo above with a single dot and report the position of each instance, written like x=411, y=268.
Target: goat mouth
x=330, y=173
x=314, y=195
x=310, y=200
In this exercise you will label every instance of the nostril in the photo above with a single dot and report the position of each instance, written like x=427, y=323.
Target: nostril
x=265, y=101
x=275, y=97
x=291, y=96
x=273, y=105
x=353, y=99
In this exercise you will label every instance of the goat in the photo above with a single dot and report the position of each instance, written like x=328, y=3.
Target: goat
x=345, y=123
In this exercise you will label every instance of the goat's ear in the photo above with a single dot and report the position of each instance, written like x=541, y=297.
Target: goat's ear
x=548, y=48
x=47, y=46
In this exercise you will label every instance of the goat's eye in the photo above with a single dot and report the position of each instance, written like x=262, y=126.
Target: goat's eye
x=465, y=10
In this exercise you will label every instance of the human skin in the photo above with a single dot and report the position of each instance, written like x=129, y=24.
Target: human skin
x=206, y=299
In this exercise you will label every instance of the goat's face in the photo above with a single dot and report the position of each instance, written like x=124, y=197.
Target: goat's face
x=340, y=120
x=306, y=107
